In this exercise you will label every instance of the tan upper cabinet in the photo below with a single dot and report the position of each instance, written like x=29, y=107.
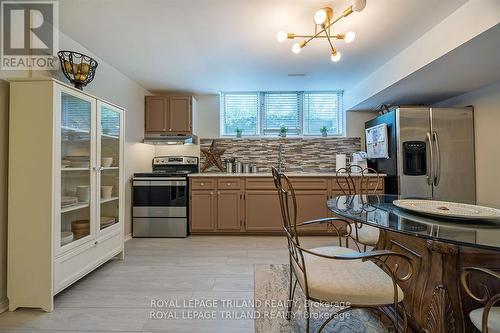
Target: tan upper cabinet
x=156, y=114
x=168, y=114
x=180, y=114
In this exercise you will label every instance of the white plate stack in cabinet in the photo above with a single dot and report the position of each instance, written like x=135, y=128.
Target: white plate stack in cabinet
x=64, y=145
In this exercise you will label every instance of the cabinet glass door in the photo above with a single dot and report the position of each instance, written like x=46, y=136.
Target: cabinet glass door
x=76, y=181
x=109, y=157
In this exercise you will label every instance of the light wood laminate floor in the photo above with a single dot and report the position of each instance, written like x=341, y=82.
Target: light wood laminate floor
x=117, y=296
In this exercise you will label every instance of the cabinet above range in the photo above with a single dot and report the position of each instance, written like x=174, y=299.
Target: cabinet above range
x=169, y=117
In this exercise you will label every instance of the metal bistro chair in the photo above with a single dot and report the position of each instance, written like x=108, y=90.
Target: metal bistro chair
x=364, y=234
x=487, y=318
x=337, y=274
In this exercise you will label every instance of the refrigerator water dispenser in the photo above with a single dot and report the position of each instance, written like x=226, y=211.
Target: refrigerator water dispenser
x=414, y=158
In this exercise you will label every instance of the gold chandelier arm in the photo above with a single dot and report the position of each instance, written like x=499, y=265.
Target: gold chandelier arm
x=340, y=36
x=344, y=14
x=330, y=41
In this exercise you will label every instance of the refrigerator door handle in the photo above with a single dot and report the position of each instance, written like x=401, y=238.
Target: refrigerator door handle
x=437, y=176
x=430, y=170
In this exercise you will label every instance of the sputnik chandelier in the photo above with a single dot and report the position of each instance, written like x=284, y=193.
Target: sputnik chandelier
x=323, y=22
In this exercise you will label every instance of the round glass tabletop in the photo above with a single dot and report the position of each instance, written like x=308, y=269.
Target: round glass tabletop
x=379, y=211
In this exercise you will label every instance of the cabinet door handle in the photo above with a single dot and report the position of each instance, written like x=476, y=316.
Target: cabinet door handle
x=211, y=193
x=218, y=193
x=202, y=184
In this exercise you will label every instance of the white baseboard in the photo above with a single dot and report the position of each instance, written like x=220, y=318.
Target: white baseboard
x=127, y=237
x=4, y=305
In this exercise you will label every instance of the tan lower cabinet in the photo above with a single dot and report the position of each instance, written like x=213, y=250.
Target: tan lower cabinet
x=262, y=211
x=311, y=205
x=229, y=210
x=251, y=204
x=203, y=208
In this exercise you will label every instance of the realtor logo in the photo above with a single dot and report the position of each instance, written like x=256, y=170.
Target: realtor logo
x=29, y=37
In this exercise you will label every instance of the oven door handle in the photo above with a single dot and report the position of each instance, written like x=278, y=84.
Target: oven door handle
x=157, y=178
x=160, y=183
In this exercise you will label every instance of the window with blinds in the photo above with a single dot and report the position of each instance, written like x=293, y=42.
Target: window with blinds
x=322, y=109
x=302, y=113
x=240, y=111
x=281, y=109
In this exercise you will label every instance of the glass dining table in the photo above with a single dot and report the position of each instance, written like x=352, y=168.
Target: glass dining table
x=439, y=250
x=379, y=211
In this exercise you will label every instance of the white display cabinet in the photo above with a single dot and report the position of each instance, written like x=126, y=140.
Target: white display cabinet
x=66, y=188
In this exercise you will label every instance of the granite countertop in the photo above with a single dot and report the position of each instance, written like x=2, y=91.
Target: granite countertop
x=268, y=174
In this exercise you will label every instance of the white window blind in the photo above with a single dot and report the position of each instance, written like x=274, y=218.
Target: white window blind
x=281, y=109
x=75, y=112
x=303, y=113
x=240, y=110
x=323, y=109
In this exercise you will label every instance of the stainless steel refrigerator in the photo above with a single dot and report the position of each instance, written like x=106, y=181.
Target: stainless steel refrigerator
x=430, y=153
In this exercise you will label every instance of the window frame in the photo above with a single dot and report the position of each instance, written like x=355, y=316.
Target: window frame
x=263, y=133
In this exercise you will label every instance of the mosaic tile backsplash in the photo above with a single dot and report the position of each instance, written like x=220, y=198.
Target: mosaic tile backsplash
x=301, y=154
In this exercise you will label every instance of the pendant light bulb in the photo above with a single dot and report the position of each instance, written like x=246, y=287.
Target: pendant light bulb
x=320, y=16
x=296, y=48
x=336, y=56
x=349, y=37
x=359, y=5
x=281, y=36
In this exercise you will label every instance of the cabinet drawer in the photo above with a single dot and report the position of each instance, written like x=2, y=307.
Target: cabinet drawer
x=260, y=184
x=340, y=183
x=375, y=183
x=74, y=265
x=228, y=183
x=301, y=183
x=203, y=184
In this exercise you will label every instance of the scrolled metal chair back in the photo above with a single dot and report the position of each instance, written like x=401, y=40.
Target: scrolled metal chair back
x=288, y=204
x=288, y=201
x=345, y=182
x=365, y=181
x=486, y=298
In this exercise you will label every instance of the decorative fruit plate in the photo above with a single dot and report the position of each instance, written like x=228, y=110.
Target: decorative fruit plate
x=447, y=209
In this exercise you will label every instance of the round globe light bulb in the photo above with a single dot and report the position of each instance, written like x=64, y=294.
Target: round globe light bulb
x=296, y=48
x=320, y=16
x=336, y=56
x=281, y=36
x=359, y=5
x=349, y=37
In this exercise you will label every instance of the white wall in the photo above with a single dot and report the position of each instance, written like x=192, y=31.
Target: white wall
x=108, y=84
x=486, y=102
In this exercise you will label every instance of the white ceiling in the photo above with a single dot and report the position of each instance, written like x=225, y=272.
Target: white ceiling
x=206, y=46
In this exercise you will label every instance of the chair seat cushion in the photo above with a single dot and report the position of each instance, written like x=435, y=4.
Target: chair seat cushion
x=358, y=282
x=368, y=235
x=476, y=316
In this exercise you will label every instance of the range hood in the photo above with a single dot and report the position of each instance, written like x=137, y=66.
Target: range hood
x=169, y=139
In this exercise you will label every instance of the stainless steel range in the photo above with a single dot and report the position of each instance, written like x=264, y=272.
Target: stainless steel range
x=161, y=198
